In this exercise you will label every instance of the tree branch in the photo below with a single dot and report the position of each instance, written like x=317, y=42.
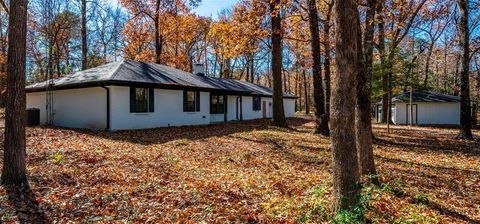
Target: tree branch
x=2, y=2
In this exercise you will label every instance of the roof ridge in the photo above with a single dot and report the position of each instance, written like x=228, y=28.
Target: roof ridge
x=114, y=72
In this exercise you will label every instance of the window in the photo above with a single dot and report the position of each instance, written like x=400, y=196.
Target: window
x=191, y=101
x=141, y=100
x=256, y=103
x=217, y=104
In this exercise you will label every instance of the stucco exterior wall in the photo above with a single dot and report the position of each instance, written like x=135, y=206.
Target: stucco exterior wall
x=74, y=108
x=87, y=108
x=168, y=110
x=431, y=113
x=38, y=100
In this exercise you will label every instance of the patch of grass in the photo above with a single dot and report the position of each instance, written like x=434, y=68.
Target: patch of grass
x=57, y=158
x=181, y=142
x=421, y=198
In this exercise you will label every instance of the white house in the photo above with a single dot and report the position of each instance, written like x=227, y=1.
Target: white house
x=137, y=95
x=428, y=108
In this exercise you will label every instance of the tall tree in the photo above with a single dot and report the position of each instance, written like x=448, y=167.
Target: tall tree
x=345, y=163
x=401, y=16
x=84, y=35
x=464, y=37
x=321, y=122
x=276, y=23
x=363, y=122
x=326, y=38
x=14, y=171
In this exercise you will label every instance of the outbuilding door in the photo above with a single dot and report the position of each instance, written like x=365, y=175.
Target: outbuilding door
x=378, y=113
x=414, y=112
x=264, y=109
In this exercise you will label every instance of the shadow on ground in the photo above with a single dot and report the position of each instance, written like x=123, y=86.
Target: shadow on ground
x=439, y=182
x=163, y=135
x=26, y=206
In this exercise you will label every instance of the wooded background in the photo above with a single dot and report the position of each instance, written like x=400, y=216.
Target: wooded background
x=415, y=40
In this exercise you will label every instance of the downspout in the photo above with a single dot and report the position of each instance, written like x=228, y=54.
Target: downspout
x=108, y=107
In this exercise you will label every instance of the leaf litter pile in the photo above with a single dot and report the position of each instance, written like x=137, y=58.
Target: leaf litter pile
x=246, y=172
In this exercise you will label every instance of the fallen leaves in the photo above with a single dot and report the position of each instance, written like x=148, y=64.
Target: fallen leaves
x=242, y=172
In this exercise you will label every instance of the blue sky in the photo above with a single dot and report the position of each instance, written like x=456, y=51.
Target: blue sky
x=212, y=7
x=207, y=7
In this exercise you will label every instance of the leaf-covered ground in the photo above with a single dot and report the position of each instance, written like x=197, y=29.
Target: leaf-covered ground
x=238, y=173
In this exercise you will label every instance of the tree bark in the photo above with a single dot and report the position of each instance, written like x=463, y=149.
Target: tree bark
x=345, y=161
x=321, y=122
x=363, y=123
x=158, y=37
x=427, y=66
x=306, y=101
x=84, y=35
x=14, y=170
x=381, y=49
x=465, y=110
x=326, y=32
x=276, y=22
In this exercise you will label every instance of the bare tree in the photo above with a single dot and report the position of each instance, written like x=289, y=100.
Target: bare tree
x=84, y=35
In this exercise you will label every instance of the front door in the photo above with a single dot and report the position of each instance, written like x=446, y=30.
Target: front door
x=414, y=113
x=264, y=109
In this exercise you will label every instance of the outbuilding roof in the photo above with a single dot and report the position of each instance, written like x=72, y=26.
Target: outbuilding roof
x=424, y=96
x=129, y=72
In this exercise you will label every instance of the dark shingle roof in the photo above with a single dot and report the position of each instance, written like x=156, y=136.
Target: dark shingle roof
x=134, y=72
x=424, y=96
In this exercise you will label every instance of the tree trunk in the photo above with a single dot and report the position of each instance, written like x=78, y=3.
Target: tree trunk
x=477, y=90
x=321, y=122
x=363, y=123
x=296, y=90
x=345, y=161
x=381, y=49
x=84, y=35
x=276, y=20
x=427, y=66
x=158, y=37
x=252, y=68
x=306, y=100
x=14, y=171
x=326, y=38
x=465, y=110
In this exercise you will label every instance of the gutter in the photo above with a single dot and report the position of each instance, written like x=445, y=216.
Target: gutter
x=108, y=107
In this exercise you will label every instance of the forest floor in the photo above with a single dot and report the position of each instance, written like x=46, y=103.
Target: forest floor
x=245, y=172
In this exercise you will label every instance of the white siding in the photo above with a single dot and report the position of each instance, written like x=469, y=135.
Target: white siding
x=86, y=108
x=74, y=108
x=431, y=113
x=168, y=110
x=247, y=109
x=38, y=100
x=289, y=107
x=232, y=108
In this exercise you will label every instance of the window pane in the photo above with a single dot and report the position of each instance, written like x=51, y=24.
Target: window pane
x=141, y=97
x=217, y=104
x=190, y=101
